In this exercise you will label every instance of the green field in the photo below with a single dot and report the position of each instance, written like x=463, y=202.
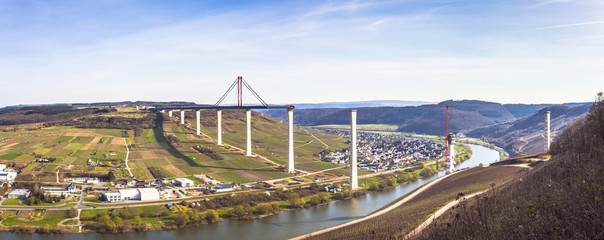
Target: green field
x=17, y=202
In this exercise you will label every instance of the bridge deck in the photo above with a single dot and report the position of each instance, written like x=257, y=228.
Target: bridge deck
x=225, y=107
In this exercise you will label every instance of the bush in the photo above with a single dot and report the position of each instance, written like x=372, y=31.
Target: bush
x=211, y=216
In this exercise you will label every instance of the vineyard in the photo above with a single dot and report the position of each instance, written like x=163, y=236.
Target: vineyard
x=400, y=221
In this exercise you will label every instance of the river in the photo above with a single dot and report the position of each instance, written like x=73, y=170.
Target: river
x=283, y=225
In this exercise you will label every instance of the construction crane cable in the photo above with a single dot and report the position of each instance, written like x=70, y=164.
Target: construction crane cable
x=254, y=93
x=226, y=94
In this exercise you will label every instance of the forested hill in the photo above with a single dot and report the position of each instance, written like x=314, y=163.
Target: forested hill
x=36, y=114
x=468, y=114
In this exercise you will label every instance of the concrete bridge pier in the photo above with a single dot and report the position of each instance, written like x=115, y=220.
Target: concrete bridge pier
x=450, y=162
x=219, y=132
x=198, y=114
x=170, y=113
x=548, y=136
x=354, y=182
x=182, y=117
x=290, y=142
x=248, y=115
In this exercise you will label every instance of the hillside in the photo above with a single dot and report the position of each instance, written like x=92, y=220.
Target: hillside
x=420, y=119
x=525, y=136
x=357, y=104
x=561, y=199
x=97, y=145
x=399, y=221
x=37, y=114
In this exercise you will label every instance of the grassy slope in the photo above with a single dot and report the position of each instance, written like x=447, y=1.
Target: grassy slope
x=403, y=219
x=269, y=137
x=73, y=146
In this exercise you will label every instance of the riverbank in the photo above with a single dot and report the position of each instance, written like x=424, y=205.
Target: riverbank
x=400, y=219
x=243, y=206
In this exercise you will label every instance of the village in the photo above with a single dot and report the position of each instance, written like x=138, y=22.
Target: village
x=380, y=152
x=97, y=190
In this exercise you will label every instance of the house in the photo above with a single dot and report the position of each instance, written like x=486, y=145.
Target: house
x=143, y=184
x=8, y=174
x=19, y=194
x=71, y=188
x=183, y=182
x=143, y=194
x=161, y=180
x=2, y=167
x=130, y=182
x=87, y=180
x=59, y=191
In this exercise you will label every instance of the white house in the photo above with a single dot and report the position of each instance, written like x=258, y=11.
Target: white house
x=183, y=182
x=58, y=191
x=8, y=174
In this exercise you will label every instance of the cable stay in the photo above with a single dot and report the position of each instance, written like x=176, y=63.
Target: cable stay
x=240, y=83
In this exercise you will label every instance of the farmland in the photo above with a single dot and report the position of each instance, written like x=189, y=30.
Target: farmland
x=97, y=151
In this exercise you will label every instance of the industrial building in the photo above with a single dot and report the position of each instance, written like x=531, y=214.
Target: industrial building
x=19, y=194
x=143, y=194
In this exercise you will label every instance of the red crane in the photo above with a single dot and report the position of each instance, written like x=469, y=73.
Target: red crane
x=446, y=128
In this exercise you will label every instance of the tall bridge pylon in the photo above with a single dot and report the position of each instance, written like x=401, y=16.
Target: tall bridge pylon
x=449, y=141
x=240, y=83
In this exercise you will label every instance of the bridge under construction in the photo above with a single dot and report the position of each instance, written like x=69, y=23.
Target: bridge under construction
x=240, y=83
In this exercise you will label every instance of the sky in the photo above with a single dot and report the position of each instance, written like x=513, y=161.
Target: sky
x=508, y=51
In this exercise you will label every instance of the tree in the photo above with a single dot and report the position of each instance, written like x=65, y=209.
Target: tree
x=391, y=181
x=211, y=216
x=103, y=222
x=117, y=223
x=73, y=212
x=137, y=220
x=241, y=211
x=296, y=202
x=181, y=219
x=264, y=208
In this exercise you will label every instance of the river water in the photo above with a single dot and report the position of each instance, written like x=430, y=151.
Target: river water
x=284, y=225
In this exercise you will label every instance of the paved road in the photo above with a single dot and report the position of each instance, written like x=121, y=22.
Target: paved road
x=326, y=146
x=127, y=154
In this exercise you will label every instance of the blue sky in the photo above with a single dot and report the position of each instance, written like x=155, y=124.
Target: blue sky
x=524, y=51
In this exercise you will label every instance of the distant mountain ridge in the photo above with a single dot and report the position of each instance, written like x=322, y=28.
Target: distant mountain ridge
x=467, y=115
x=513, y=126
x=526, y=135
x=357, y=104
x=516, y=127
